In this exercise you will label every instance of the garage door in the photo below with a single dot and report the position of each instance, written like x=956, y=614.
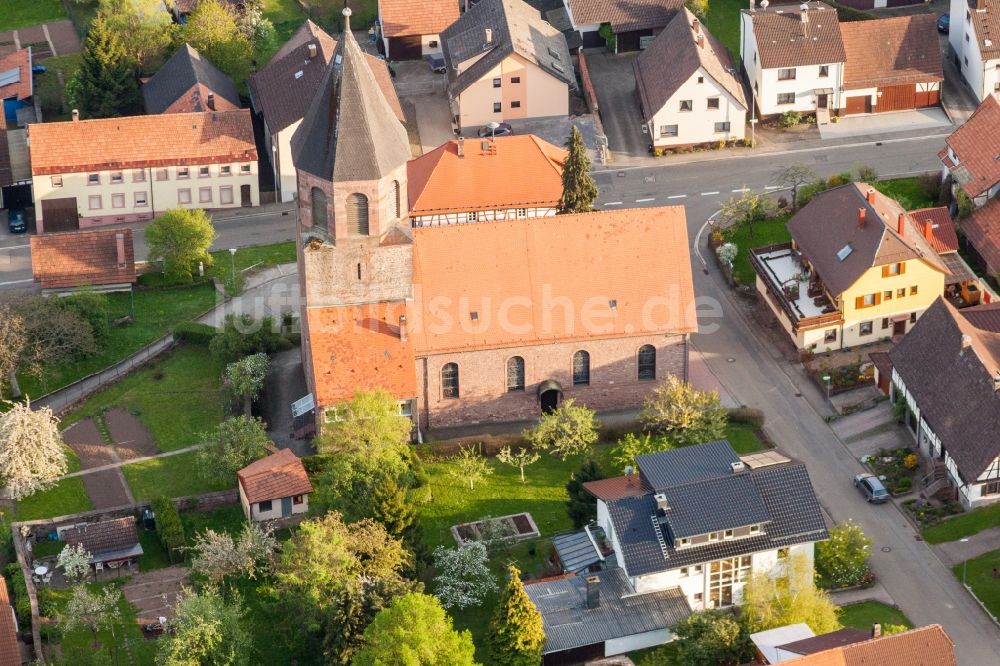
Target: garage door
x=928, y=98
x=60, y=215
x=860, y=104
x=405, y=48
x=896, y=98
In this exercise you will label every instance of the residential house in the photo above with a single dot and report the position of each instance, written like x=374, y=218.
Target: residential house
x=925, y=646
x=87, y=173
x=632, y=23
x=282, y=91
x=688, y=90
x=457, y=338
x=111, y=543
x=94, y=260
x=10, y=647
x=274, y=487
x=974, y=41
x=707, y=519
x=858, y=269
x=506, y=63
x=485, y=180
x=16, y=89
x=411, y=29
x=598, y=615
x=947, y=370
x=188, y=83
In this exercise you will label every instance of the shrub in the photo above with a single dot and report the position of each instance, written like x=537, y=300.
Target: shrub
x=810, y=190
x=866, y=174
x=92, y=308
x=169, y=527
x=838, y=179
x=964, y=203
x=6, y=541
x=904, y=484
x=790, y=119
x=842, y=559
x=754, y=417
x=195, y=333
x=944, y=191
x=242, y=335
x=911, y=461
x=930, y=184
x=22, y=605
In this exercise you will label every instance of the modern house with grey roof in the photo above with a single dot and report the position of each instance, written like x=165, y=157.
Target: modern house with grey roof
x=688, y=88
x=708, y=519
x=188, y=83
x=947, y=371
x=506, y=63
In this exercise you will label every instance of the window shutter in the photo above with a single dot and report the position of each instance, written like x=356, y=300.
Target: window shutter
x=902, y=267
x=885, y=271
x=859, y=302
x=878, y=298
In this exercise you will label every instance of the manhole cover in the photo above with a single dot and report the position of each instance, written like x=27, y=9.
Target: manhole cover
x=886, y=549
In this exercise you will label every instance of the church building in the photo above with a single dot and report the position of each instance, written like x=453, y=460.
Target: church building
x=485, y=321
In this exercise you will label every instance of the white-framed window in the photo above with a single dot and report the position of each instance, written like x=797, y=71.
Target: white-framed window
x=162, y=174
x=496, y=83
x=522, y=212
x=204, y=172
x=226, y=195
x=515, y=105
x=184, y=196
x=721, y=128
x=56, y=181
x=138, y=175
x=117, y=178
x=824, y=71
x=712, y=103
x=728, y=534
x=684, y=571
x=140, y=199
x=94, y=201
x=226, y=170
x=264, y=506
x=117, y=200
x=668, y=130
x=786, y=98
x=93, y=179
x=204, y=195
x=471, y=216
x=497, y=107
x=786, y=74
x=183, y=172
x=865, y=328
x=244, y=168
x=686, y=105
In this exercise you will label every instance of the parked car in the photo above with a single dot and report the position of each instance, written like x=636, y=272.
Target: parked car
x=871, y=487
x=17, y=221
x=503, y=130
x=436, y=62
x=944, y=23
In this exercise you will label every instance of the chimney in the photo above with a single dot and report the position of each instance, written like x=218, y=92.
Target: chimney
x=928, y=230
x=661, y=502
x=489, y=35
x=211, y=101
x=876, y=630
x=460, y=146
x=593, y=592
x=402, y=328
x=861, y=218
x=966, y=340
x=120, y=247
x=901, y=224
x=871, y=196
x=312, y=51
x=699, y=39
x=737, y=466
x=980, y=5
x=76, y=115
x=696, y=26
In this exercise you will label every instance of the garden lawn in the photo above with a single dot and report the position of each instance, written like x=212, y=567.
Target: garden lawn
x=22, y=13
x=176, y=397
x=78, y=645
x=156, y=313
x=980, y=578
x=48, y=89
x=66, y=497
x=768, y=232
x=173, y=476
x=227, y=519
x=154, y=555
x=867, y=613
x=261, y=256
x=907, y=192
x=723, y=21
x=287, y=17
x=744, y=438
x=967, y=524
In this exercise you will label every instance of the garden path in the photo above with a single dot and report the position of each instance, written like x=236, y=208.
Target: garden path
x=85, y=472
x=105, y=484
x=154, y=593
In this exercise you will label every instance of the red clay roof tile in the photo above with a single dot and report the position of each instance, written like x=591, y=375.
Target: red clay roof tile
x=82, y=259
x=401, y=18
x=278, y=475
x=891, y=51
x=976, y=144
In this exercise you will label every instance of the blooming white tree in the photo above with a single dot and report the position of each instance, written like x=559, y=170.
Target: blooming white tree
x=217, y=555
x=91, y=610
x=520, y=459
x=74, y=561
x=32, y=454
x=727, y=253
x=464, y=577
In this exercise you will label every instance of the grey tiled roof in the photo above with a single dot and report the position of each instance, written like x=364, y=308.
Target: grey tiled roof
x=716, y=504
x=686, y=464
x=516, y=27
x=185, y=69
x=791, y=515
x=349, y=132
x=570, y=624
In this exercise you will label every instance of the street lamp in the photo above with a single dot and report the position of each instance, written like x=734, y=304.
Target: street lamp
x=494, y=126
x=232, y=256
x=965, y=567
x=826, y=380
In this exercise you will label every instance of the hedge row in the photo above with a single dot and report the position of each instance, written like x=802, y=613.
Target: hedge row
x=19, y=592
x=169, y=527
x=194, y=333
x=753, y=417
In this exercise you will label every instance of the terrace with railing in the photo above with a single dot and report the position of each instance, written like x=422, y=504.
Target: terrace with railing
x=795, y=287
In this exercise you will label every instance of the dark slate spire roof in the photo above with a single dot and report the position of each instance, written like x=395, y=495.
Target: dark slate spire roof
x=349, y=132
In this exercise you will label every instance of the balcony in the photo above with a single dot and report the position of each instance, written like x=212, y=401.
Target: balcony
x=794, y=287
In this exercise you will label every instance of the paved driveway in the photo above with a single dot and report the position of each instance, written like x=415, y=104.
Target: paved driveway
x=614, y=83
x=885, y=123
x=433, y=120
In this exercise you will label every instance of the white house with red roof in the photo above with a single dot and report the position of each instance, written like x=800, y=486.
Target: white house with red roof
x=274, y=487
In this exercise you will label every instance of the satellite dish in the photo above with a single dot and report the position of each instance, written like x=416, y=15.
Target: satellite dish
x=493, y=125
x=764, y=4
x=628, y=470
x=804, y=7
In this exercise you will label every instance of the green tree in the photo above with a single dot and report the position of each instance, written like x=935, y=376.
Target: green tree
x=516, y=634
x=371, y=425
x=206, y=630
x=415, y=630
x=787, y=595
x=214, y=33
x=568, y=430
x=231, y=446
x=842, y=560
x=92, y=308
x=391, y=507
x=245, y=378
x=629, y=447
x=579, y=189
x=144, y=28
x=105, y=85
x=243, y=336
x=470, y=465
x=582, y=506
x=181, y=238
x=519, y=459
x=683, y=414
x=712, y=638
x=697, y=7
x=747, y=209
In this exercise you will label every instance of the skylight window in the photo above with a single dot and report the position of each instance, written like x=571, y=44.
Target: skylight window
x=844, y=252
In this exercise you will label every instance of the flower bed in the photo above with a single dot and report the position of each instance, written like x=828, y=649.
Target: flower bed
x=930, y=512
x=897, y=468
x=845, y=377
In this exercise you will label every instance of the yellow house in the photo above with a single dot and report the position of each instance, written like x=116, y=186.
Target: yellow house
x=859, y=269
x=88, y=173
x=506, y=63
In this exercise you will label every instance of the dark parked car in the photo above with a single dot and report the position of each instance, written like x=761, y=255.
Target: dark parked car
x=17, y=221
x=944, y=23
x=436, y=63
x=503, y=130
x=871, y=488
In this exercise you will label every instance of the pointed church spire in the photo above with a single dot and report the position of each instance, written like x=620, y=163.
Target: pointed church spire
x=350, y=133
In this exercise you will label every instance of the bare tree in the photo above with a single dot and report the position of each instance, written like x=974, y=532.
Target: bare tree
x=12, y=341
x=794, y=176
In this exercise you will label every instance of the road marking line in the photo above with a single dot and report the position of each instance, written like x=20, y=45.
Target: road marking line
x=708, y=194
x=645, y=200
x=772, y=187
x=613, y=203
x=742, y=189
x=2, y=284
x=14, y=247
x=677, y=196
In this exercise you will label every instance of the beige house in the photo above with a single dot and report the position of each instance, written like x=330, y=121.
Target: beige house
x=274, y=487
x=87, y=173
x=506, y=63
